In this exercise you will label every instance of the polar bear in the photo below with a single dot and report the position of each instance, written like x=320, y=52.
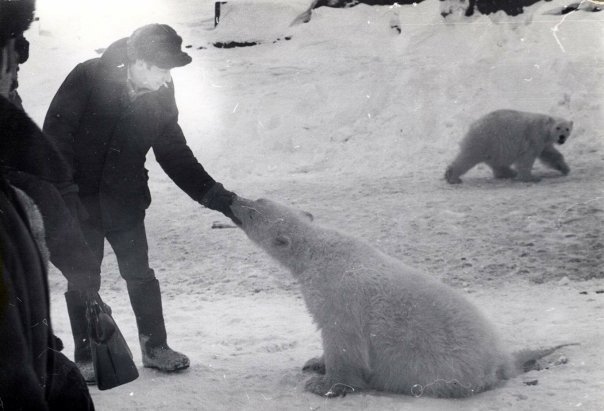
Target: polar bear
x=384, y=325
x=505, y=137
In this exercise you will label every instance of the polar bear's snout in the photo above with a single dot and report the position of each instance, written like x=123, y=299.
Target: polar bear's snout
x=243, y=209
x=564, y=132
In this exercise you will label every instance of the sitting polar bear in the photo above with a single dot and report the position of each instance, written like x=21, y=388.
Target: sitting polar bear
x=384, y=325
x=505, y=137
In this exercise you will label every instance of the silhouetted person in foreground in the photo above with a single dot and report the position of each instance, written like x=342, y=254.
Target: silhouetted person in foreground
x=34, y=375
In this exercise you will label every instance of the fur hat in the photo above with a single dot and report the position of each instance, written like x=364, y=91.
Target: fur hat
x=157, y=44
x=15, y=18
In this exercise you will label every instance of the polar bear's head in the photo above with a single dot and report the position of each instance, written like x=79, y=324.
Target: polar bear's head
x=280, y=230
x=560, y=129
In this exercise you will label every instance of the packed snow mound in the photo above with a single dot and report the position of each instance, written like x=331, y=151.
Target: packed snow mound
x=389, y=98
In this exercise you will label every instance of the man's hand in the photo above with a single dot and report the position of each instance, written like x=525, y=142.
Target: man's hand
x=220, y=199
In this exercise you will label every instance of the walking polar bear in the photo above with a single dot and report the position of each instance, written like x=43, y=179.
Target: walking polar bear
x=505, y=137
x=384, y=325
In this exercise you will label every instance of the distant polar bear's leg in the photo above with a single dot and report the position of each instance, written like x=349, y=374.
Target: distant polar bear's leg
x=554, y=159
x=462, y=163
x=316, y=364
x=524, y=165
x=503, y=172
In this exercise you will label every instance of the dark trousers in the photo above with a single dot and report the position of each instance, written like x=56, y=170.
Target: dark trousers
x=129, y=244
x=131, y=250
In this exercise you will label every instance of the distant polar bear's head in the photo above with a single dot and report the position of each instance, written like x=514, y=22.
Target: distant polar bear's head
x=280, y=230
x=560, y=129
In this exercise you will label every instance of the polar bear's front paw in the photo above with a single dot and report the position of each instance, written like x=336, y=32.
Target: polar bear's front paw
x=451, y=177
x=326, y=387
x=316, y=364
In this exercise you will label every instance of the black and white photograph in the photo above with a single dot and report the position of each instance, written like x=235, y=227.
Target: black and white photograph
x=302, y=205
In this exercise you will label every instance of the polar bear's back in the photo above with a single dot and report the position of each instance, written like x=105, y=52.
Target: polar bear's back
x=419, y=329
x=427, y=331
x=505, y=134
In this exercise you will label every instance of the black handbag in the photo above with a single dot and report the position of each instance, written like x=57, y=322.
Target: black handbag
x=111, y=356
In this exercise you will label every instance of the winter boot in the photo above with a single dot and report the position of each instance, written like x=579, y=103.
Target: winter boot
x=76, y=308
x=146, y=303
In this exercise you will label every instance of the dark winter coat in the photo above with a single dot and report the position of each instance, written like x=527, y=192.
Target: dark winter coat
x=105, y=138
x=32, y=163
x=33, y=374
x=24, y=148
x=24, y=310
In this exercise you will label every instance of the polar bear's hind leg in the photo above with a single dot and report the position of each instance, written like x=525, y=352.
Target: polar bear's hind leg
x=461, y=165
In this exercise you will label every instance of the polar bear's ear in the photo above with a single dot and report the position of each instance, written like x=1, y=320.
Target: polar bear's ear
x=308, y=215
x=282, y=241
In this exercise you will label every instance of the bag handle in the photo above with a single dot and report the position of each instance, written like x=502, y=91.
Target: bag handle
x=101, y=326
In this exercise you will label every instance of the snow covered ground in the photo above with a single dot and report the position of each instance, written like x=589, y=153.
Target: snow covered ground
x=355, y=123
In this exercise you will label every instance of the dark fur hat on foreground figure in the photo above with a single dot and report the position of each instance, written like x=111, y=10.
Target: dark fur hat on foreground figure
x=15, y=18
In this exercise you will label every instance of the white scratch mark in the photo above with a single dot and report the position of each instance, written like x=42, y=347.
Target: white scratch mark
x=556, y=28
x=331, y=393
x=559, y=219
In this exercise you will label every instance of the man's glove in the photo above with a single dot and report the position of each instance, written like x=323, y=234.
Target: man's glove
x=101, y=325
x=91, y=296
x=219, y=199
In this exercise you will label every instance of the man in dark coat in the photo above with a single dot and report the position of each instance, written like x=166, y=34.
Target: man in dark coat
x=108, y=113
x=34, y=375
